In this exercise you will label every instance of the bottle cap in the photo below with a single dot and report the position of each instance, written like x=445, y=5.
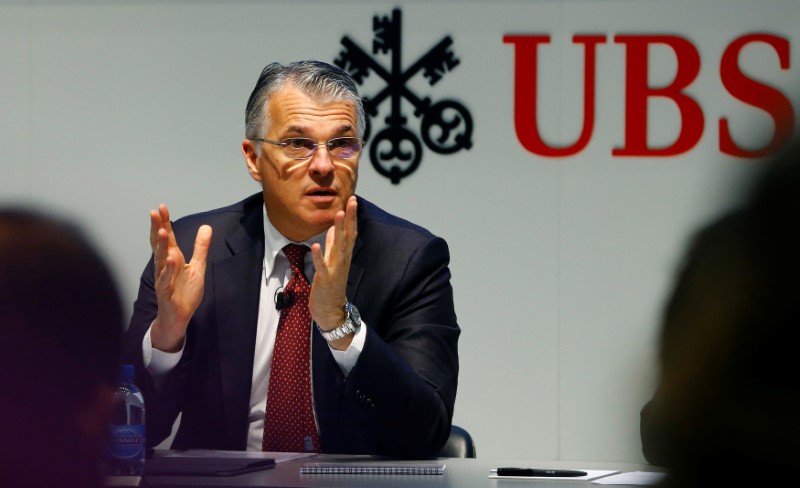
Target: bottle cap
x=126, y=373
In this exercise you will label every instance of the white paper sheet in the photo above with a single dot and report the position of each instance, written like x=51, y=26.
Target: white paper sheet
x=632, y=478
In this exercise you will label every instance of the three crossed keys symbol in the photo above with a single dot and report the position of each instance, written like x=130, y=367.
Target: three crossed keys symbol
x=445, y=126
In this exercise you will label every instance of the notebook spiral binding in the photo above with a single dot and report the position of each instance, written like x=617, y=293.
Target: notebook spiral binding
x=376, y=469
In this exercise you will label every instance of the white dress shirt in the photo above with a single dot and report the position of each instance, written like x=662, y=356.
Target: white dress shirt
x=276, y=274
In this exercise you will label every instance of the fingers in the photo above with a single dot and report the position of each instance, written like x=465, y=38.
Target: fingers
x=160, y=250
x=317, y=258
x=165, y=276
x=332, y=238
x=335, y=237
x=159, y=219
x=201, y=244
x=351, y=222
x=159, y=238
x=166, y=254
x=167, y=224
x=155, y=224
x=332, y=268
x=344, y=228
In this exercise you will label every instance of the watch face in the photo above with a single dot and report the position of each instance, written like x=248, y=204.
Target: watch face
x=355, y=315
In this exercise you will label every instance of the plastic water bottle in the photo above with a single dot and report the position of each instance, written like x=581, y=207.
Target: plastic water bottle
x=127, y=436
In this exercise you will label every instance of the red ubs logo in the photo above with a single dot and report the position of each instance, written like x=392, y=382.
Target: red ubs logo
x=637, y=94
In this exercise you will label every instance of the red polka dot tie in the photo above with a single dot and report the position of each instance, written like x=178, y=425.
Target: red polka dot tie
x=289, y=419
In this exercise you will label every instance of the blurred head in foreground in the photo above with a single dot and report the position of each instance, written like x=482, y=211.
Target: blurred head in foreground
x=60, y=330
x=728, y=402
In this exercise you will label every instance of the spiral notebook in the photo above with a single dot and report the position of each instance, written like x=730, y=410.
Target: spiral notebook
x=372, y=468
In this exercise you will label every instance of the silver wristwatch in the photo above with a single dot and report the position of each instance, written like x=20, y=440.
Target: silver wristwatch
x=352, y=323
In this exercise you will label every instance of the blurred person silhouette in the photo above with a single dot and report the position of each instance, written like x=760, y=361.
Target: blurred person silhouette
x=61, y=324
x=726, y=406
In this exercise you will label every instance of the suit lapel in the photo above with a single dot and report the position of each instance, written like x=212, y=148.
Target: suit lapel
x=236, y=289
x=356, y=271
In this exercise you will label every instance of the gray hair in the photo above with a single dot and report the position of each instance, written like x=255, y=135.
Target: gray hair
x=321, y=81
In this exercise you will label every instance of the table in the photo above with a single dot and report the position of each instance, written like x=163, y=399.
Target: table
x=459, y=473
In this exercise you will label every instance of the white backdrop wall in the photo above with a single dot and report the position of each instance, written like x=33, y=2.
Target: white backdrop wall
x=560, y=265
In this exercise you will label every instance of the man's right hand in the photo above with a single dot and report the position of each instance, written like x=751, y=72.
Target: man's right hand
x=179, y=285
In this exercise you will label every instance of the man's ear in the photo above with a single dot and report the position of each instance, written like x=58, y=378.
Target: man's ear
x=250, y=153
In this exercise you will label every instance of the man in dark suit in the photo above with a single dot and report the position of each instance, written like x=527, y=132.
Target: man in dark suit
x=206, y=333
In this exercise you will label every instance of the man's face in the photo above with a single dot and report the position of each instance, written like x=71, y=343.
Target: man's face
x=302, y=196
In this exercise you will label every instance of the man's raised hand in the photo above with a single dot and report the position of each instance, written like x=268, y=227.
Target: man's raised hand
x=178, y=285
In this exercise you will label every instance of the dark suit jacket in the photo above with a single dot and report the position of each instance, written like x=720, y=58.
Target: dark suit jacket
x=399, y=397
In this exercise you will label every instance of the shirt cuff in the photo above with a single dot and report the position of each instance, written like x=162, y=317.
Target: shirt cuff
x=159, y=363
x=347, y=359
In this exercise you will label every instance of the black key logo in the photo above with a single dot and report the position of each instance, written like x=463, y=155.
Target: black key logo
x=445, y=126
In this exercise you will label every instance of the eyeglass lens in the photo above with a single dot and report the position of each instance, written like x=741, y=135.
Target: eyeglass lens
x=340, y=147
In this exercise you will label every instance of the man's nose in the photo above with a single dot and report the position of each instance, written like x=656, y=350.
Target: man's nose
x=321, y=162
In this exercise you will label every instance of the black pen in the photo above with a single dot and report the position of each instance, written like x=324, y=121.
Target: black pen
x=530, y=472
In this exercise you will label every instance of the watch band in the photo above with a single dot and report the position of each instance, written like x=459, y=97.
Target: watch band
x=351, y=325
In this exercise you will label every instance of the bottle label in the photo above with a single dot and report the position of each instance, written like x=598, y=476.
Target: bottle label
x=127, y=441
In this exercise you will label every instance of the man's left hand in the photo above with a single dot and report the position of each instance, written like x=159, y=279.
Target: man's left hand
x=329, y=289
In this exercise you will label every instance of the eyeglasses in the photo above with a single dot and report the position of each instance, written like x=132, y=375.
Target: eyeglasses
x=304, y=148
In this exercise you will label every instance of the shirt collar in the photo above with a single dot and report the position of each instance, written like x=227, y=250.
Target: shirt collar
x=274, y=241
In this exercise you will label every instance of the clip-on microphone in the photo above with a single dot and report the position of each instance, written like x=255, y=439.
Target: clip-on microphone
x=283, y=300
